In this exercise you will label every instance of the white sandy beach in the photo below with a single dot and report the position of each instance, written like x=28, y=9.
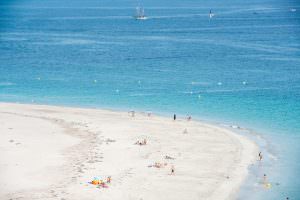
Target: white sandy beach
x=49, y=152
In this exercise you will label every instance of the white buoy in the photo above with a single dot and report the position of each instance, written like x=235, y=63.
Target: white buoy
x=39, y=78
x=117, y=91
x=95, y=81
x=199, y=96
x=293, y=9
x=219, y=83
x=244, y=82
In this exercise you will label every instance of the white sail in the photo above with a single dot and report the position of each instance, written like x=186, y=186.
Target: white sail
x=140, y=13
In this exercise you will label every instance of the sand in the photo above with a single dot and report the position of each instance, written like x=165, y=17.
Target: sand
x=49, y=152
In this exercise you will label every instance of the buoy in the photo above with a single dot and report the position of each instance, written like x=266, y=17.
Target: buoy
x=219, y=83
x=95, y=81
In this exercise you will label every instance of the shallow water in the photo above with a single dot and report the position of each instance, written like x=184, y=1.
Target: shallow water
x=240, y=67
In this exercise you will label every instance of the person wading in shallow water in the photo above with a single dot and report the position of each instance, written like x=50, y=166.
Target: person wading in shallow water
x=174, y=117
x=260, y=156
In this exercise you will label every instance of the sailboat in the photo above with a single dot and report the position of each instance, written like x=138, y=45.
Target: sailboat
x=211, y=14
x=140, y=14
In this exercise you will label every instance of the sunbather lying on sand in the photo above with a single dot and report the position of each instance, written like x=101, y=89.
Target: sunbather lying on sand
x=101, y=183
x=169, y=157
x=158, y=165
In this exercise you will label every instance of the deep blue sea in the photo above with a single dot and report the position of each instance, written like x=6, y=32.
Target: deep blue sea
x=241, y=67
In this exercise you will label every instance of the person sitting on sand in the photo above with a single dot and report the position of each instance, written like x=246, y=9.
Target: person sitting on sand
x=185, y=131
x=108, y=179
x=144, y=142
x=160, y=165
x=102, y=184
x=157, y=165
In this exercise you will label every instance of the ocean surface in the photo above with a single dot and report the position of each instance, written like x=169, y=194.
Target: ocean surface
x=241, y=67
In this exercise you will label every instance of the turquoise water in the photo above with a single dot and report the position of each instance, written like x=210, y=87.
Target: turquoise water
x=240, y=67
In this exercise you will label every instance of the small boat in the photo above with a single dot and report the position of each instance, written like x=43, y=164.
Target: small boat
x=140, y=14
x=211, y=15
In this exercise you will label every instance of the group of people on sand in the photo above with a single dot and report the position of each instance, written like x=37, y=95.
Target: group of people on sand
x=162, y=165
x=101, y=183
x=144, y=142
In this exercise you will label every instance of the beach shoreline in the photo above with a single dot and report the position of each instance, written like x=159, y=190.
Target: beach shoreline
x=55, y=151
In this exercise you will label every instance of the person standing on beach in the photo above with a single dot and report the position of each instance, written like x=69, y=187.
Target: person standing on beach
x=172, y=170
x=174, y=117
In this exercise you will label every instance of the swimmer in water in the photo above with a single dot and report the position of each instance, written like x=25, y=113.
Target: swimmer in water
x=265, y=181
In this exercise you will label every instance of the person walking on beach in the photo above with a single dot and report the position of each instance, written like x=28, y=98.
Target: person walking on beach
x=174, y=117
